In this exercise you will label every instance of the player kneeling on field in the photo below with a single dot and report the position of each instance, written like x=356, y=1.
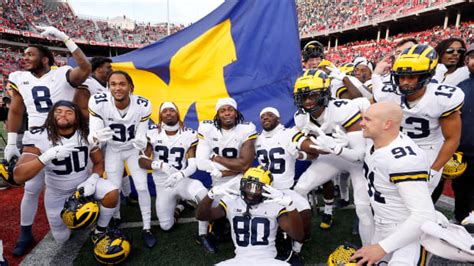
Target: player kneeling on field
x=173, y=147
x=61, y=148
x=254, y=216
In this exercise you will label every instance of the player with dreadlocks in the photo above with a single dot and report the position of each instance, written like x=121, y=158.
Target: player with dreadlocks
x=226, y=147
x=61, y=149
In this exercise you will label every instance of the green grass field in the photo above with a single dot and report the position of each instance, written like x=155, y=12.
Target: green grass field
x=178, y=247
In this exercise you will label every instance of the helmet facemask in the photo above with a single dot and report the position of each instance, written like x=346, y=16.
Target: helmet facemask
x=423, y=80
x=251, y=191
x=321, y=99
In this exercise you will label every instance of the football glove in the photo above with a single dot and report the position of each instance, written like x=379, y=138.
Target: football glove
x=215, y=173
x=88, y=186
x=173, y=179
x=102, y=135
x=54, y=33
x=336, y=73
x=139, y=142
x=225, y=189
x=57, y=152
x=277, y=196
x=11, y=149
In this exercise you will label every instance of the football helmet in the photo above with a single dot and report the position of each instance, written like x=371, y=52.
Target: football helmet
x=251, y=184
x=312, y=84
x=79, y=211
x=313, y=49
x=455, y=167
x=6, y=171
x=347, y=68
x=341, y=256
x=419, y=60
x=112, y=247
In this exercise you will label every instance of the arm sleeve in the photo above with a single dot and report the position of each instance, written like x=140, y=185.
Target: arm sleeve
x=356, y=150
x=95, y=123
x=191, y=168
x=417, y=199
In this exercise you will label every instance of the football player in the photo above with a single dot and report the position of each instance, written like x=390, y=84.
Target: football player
x=254, y=221
x=95, y=83
x=173, y=148
x=277, y=151
x=61, y=149
x=226, y=147
x=313, y=53
x=322, y=116
x=119, y=119
x=34, y=91
x=397, y=171
x=431, y=115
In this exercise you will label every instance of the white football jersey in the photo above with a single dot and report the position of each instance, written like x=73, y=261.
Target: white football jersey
x=171, y=149
x=273, y=154
x=226, y=143
x=102, y=105
x=400, y=161
x=254, y=237
x=340, y=112
x=39, y=94
x=93, y=85
x=421, y=121
x=67, y=174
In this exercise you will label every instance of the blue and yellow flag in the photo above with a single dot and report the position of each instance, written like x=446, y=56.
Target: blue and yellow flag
x=245, y=49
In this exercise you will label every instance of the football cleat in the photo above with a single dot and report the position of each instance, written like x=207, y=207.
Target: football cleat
x=22, y=246
x=296, y=259
x=112, y=247
x=207, y=244
x=149, y=238
x=341, y=255
x=326, y=221
x=79, y=211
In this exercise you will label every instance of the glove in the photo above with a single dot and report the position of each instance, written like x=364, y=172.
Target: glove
x=139, y=142
x=89, y=185
x=54, y=33
x=11, y=149
x=433, y=174
x=224, y=190
x=215, y=173
x=275, y=195
x=336, y=73
x=102, y=135
x=340, y=136
x=326, y=144
x=301, y=120
x=173, y=179
x=164, y=167
x=292, y=149
x=57, y=152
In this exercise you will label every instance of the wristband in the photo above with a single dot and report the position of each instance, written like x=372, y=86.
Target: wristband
x=71, y=46
x=12, y=138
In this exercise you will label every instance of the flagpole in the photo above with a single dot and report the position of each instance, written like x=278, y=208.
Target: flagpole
x=168, y=16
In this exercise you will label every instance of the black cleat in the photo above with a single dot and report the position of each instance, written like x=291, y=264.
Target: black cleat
x=115, y=223
x=342, y=203
x=149, y=238
x=326, y=221
x=204, y=241
x=95, y=235
x=296, y=259
x=22, y=246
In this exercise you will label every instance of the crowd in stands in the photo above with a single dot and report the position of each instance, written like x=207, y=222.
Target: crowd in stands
x=24, y=14
x=320, y=15
x=375, y=51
